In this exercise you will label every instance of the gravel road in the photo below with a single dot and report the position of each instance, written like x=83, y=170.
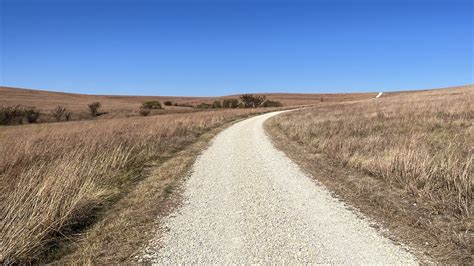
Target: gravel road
x=246, y=202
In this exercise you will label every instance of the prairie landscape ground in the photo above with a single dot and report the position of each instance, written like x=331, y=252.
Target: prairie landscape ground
x=414, y=151
x=90, y=191
x=56, y=178
x=59, y=181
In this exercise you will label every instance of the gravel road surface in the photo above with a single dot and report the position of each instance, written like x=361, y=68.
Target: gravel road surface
x=246, y=202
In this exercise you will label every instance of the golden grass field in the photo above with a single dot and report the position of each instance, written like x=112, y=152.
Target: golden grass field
x=419, y=144
x=75, y=189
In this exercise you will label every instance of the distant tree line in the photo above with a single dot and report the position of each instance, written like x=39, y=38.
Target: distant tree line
x=244, y=101
x=11, y=115
x=19, y=114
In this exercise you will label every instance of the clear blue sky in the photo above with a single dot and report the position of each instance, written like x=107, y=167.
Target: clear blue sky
x=199, y=47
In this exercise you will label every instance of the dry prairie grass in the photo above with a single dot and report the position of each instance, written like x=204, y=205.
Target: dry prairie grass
x=55, y=179
x=420, y=144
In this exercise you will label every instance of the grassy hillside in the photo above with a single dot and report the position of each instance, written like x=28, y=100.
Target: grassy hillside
x=416, y=146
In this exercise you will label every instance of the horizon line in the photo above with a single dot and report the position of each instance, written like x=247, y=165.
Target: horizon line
x=257, y=93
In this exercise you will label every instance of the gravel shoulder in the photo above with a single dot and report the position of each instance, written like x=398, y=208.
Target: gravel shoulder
x=246, y=202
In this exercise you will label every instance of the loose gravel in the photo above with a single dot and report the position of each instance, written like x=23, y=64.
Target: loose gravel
x=246, y=202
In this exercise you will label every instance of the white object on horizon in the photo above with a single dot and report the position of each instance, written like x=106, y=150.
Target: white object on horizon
x=378, y=95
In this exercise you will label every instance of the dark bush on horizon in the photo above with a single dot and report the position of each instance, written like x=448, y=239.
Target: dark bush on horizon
x=11, y=115
x=151, y=105
x=94, y=108
x=204, y=106
x=31, y=114
x=61, y=113
x=270, y=103
x=230, y=103
x=251, y=101
x=216, y=104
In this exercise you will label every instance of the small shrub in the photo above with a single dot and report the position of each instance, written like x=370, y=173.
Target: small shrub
x=176, y=104
x=225, y=103
x=94, y=108
x=270, y=103
x=6, y=115
x=59, y=113
x=204, y=106
x=216, y=104
x=11, y=115
x=144, y=112
x=32, y=114
x=230, y=103
x=168, y=103
x=151, y=105
x=67, y=115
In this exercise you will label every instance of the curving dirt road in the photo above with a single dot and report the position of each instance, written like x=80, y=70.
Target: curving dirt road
x=246, y=202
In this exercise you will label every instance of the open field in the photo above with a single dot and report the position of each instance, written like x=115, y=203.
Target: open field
x=125, y=106
x=90, y=191
x=408, y=160
x=57, y=178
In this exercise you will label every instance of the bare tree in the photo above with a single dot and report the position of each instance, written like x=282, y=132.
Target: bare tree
x=258, y=100
x=251, y=101
x=59, y=112
x=247, y=100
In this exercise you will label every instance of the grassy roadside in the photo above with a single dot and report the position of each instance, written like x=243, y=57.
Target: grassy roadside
x=60, y=180
x=405, y=161
x=134, y=220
